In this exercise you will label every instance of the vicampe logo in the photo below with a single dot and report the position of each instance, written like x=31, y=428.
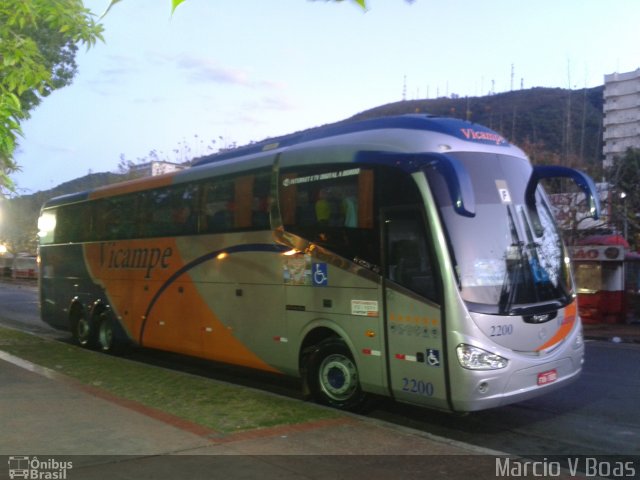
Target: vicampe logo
x=36, y=469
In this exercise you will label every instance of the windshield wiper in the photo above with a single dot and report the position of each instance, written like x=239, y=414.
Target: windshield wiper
x=510, y=284
x=512, y=276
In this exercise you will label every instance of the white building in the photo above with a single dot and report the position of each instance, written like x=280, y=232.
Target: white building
x=621, y=114
x=156, y=167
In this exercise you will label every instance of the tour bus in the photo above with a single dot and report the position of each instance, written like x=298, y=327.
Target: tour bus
x=413, y=257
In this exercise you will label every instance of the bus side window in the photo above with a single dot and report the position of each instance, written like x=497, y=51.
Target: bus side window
x=332, y=206
x=111, y=227
x=72, y=223
x=178, y=211
x=125, y=217
x=115, y=218
x=260, y=207
x=251, y=201
x=218, y=206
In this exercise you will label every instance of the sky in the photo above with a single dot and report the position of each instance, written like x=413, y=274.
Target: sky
x=224, y=72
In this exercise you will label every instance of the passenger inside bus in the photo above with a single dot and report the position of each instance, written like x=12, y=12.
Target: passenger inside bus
x=260, y=212
x=222, y=219
x=323, y=207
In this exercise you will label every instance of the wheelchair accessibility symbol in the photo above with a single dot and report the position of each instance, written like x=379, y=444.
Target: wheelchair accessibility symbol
x=319, y=274
x=433, y=357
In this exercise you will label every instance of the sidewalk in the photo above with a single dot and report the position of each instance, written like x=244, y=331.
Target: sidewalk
x=46, y=415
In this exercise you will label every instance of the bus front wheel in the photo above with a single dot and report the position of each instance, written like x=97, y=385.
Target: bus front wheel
x=333, y=377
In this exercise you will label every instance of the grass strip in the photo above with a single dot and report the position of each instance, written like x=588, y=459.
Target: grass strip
x=219, y=406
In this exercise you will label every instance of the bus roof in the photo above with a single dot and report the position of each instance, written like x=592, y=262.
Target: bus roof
x=460, y=129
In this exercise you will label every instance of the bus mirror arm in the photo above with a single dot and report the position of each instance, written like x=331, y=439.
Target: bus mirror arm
x=581, y=179
x=458, y=184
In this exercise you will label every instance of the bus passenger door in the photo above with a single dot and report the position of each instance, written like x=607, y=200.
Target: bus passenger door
x=412, y=313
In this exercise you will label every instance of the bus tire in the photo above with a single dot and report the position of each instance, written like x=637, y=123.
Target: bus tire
x=107, y=334
x=82, y=330
x=332, y=376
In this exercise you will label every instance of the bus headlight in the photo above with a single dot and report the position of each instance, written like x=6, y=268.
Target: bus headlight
x=475, y=358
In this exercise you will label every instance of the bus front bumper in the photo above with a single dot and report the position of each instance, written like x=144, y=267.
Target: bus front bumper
x=487, y=391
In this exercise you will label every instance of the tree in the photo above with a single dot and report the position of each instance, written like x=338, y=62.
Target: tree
x=38, y=43
x=19, y=232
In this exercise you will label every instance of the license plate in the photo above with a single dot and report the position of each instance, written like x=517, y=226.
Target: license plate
x=547, y=377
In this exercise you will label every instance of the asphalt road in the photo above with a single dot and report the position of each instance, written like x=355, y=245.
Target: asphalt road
x=599, y=415
x=19, y=308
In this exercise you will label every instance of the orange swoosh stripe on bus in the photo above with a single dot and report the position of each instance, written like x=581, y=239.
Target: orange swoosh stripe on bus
x=565, y=328
x=256, y=247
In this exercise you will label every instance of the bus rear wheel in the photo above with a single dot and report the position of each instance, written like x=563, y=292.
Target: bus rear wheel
x=82, y=330
x=333, y=377
x=107, y=336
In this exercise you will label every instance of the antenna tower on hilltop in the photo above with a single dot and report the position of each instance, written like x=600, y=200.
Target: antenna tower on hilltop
x=404, y=89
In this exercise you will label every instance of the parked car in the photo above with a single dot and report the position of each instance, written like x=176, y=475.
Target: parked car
x=25, y=267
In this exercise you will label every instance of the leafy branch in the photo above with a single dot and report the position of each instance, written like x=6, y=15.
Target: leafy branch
x=38, y=41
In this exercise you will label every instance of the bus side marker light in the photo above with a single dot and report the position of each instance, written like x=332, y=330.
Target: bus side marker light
x=281, y=339
x=370, y=333
x=373, y=353
x=408, y=358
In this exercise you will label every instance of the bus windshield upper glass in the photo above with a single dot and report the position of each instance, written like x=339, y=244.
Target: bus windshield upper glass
x=509, y=257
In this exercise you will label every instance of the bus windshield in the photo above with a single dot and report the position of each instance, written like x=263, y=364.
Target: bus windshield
x=509, y=257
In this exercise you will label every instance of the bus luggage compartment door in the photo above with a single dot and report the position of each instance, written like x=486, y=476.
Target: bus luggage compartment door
x=416, y=357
